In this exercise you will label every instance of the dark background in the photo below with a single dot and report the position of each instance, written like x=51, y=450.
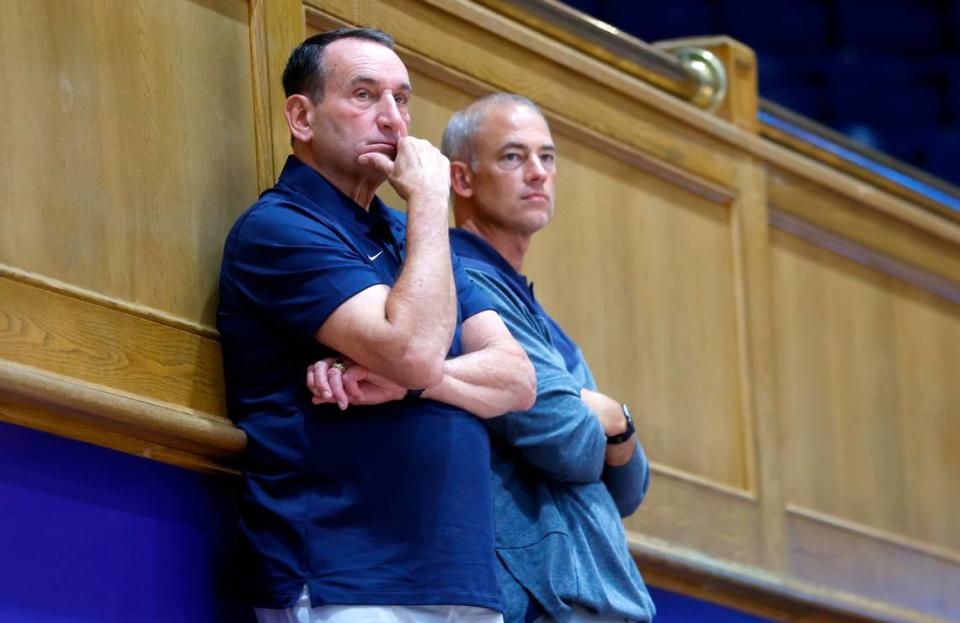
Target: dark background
x=884, y=72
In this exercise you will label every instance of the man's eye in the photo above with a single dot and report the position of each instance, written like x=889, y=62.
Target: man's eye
x=512, y=157
x=401, y=100
x=363, y=95
x=548, y=158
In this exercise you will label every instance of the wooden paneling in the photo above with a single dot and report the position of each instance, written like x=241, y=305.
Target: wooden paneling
x=883, y=567
x=133, y=133
x=936, y=251
x=127, y=133
x=89, y=342
x=697, y=514
x=868, y=397
x=616, y=269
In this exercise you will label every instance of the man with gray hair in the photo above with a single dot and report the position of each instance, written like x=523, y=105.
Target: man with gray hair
x=568, y=468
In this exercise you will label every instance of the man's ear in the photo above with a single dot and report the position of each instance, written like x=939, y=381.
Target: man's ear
x=298, y=110
x=461, y=178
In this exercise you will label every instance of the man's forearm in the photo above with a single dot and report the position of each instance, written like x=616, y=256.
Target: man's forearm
x=424, y=297
x=621, y=453
x=488, y=382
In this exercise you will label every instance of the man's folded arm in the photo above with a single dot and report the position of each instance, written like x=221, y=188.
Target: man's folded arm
x=559, y=435
x=628, y=483
x=403, y=332
x=493, y=375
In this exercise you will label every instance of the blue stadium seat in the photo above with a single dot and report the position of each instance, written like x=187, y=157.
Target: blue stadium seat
x=893, y=25
x=653, y=21
x=793, y=80
x=906, y=144
x=952, y=90
x=884, y=90
x=943, y=154
x=795, y=26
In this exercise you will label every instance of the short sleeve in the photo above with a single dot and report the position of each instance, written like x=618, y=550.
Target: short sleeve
x=293, y=268
x=472, y=299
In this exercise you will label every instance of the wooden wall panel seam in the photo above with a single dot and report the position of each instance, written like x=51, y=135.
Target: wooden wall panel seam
x=938, y=285
x=875, y=534
x=753, y=273
x=260, y=72
x=705, y=483
x=89, y=296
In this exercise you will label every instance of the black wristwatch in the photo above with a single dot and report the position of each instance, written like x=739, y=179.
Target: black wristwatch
x=625, y=435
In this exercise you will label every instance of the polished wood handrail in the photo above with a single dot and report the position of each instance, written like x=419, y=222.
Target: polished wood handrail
x=778, y=124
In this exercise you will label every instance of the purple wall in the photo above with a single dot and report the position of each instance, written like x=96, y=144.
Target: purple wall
x=92, y=535
x=88, y=534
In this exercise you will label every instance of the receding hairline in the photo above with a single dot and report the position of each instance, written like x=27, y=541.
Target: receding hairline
x=459, y=138
x=362, y=78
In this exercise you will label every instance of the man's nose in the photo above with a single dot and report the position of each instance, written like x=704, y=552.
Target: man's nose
x=390, y=116
x=535, y=169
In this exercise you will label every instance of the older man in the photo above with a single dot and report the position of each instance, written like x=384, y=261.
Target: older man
x=566, y=469
x=381, y=512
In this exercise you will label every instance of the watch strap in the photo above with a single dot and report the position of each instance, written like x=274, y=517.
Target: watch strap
x=625, y=435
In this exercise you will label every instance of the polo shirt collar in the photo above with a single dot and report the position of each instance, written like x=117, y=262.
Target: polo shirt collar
x=327, y=200
x=468, y=244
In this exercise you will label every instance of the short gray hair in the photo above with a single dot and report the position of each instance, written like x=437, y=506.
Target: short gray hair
x=457, y=142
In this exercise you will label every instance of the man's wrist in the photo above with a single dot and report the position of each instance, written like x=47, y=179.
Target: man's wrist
x=627, y=432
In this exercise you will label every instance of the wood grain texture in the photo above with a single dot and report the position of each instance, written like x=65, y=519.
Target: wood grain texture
x=775, y=596
x=284, y=29
x=750, y=230
x=868, y=398
x=128, y=144
x=764, y=370
x=509, y=56
x=859, y=562
x=96, y=344
x=641, y=274
x=806, y=198
x=694, y=514
x=739, y=106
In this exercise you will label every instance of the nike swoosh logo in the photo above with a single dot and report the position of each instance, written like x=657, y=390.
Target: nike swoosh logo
x=373, y=257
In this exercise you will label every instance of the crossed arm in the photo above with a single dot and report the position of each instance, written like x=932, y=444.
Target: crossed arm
x=492, y=377
x=398, y=338
x=564, y=434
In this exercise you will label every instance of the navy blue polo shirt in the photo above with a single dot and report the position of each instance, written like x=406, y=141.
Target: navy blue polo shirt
x=377, y=505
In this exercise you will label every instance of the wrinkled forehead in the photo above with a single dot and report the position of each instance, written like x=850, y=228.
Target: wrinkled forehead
x=348, y=60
